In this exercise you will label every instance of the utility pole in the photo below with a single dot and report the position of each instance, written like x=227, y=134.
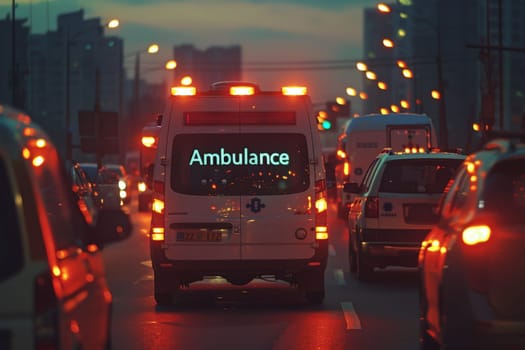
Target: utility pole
x=13, y=55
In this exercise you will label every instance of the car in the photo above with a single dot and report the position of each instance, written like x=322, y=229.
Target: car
x=471, y=263
x=51, y=263
x=125, y=182
x=88, y=198
x=110, y=184
x=239, y=190
x=364, y=137
x=394, y=208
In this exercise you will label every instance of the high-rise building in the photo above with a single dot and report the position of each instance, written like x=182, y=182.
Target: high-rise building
x=13, y=62
x=442, y=76
x=73, y=68
x=216, y=63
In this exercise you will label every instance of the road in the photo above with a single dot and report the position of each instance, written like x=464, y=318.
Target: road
x=263, y=315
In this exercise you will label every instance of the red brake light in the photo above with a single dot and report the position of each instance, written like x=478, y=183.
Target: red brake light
x=473, y=235
x=149, y=141
x=321, y=210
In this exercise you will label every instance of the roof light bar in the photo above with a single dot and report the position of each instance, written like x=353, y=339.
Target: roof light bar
x=294, y=90
x=183, y=91
x=242, y=90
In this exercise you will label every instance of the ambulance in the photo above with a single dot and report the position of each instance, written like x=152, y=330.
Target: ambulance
x=239, y=190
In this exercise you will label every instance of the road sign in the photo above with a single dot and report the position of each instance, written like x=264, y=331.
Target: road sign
x=98, y=132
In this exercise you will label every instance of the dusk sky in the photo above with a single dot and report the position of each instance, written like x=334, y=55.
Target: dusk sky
x=267, y=30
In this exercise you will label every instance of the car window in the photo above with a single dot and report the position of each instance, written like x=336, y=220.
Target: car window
x=66, y=222
x=11, y=251
x=505, y=188
x=239, y=164
x=109, y=176
x=365, y=183
x=460, y=199
x=417, y=175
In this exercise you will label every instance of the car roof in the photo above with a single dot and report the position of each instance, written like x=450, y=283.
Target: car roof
x=421, y=155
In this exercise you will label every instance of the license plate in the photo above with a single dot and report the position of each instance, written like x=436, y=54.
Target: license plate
x=199, y=236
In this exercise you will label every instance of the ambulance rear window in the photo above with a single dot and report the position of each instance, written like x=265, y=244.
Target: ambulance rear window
x=239, y=164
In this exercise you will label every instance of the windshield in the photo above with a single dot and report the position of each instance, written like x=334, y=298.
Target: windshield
x=418, y=175
x=239, y=164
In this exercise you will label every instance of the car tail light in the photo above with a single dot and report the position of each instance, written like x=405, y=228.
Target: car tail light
x=157, y=213
x=321, y=210
x=475, y=234
x=46, y=313
x=372, y=207
x=346, y=169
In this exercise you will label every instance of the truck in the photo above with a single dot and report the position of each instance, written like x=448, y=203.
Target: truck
x=366, y=136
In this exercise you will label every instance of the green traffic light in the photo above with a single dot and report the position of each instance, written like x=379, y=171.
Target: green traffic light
x=326, y=124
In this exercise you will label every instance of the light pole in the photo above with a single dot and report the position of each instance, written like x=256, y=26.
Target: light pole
x=152, y=49
x=70, y=40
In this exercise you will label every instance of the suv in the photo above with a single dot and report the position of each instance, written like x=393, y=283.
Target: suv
x=239, y=190
x=472, y=263
x=395, y=207
x=53, y=292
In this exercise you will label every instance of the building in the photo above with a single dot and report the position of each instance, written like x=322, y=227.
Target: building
x=216, y=63
x=432, y=69
x=73, y=68
x=14, y=81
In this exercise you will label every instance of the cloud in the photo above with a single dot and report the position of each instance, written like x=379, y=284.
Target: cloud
x=233, y=20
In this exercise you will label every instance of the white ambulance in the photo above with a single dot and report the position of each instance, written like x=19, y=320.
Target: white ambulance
x=366, y=136
x=239, y=190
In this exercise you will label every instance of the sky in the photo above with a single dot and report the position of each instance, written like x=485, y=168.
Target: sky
x=269, y=31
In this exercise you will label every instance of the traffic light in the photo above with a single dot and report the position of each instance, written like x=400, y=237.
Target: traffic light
x=323, y=123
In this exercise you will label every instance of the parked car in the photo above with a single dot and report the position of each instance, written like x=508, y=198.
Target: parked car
x=472, y=262
x=394, y=208
x=53, y=292
x=110, y=184
x=86, y=192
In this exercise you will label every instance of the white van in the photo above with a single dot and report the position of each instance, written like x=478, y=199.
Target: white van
x=239, y=190
x=366, y=136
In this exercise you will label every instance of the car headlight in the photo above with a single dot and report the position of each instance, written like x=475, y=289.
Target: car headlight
x=122, y=185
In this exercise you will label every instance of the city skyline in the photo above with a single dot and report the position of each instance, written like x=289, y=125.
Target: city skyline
x=268, y=32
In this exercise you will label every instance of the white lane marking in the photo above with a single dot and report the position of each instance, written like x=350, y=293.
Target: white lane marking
x=351, y=318
x=331, y=250
x=339, y=276
x=146, y=263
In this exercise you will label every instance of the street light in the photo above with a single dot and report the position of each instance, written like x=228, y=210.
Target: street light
x=152, y=49
x=443, y=125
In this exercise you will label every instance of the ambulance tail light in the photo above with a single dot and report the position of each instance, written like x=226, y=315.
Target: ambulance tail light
x=294, y=90
x=321, y=210
x=372, y=207
x=149, y=141
x=183, y=91
x=157, y=232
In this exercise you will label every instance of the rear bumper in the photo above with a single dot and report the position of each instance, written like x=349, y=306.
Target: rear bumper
x=392, y=247
x=193, y=270
x=384, y=253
